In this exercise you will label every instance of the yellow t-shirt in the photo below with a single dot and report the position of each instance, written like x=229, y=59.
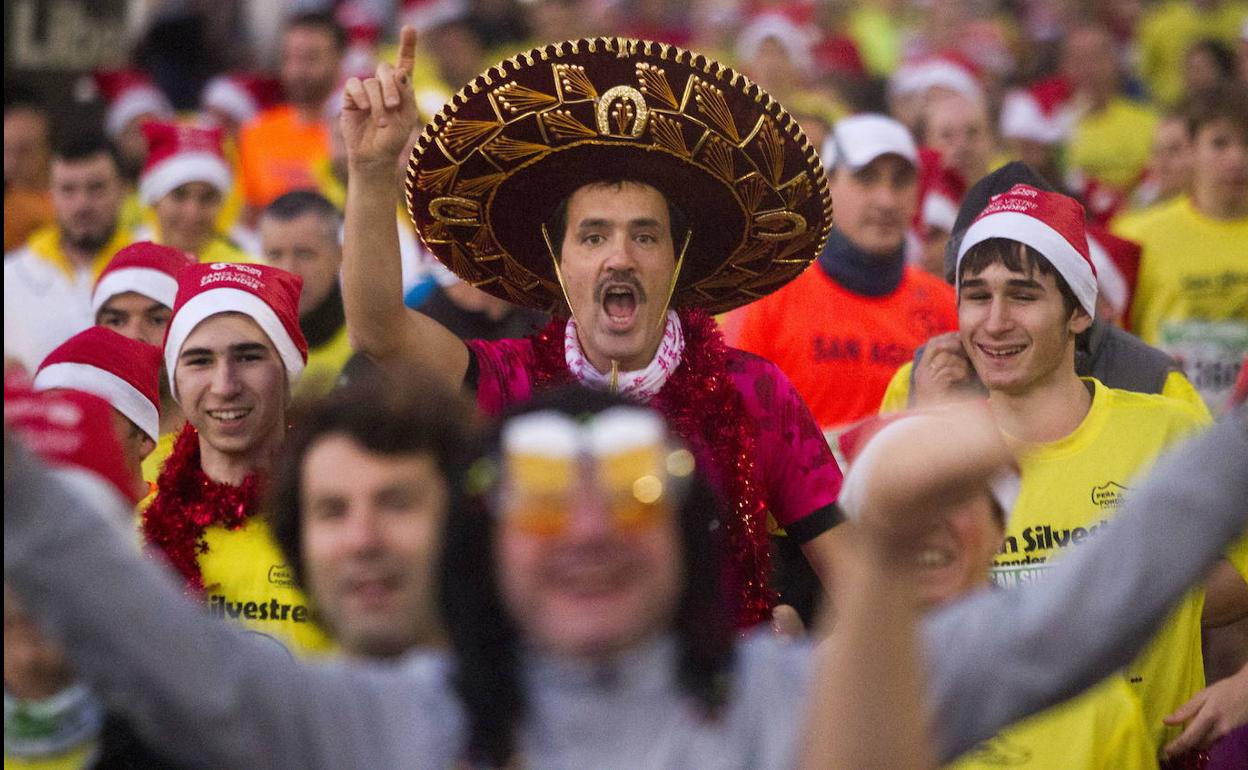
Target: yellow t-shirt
x=1166, y=32
x=76, y=759
x=1071, y=489
x=1191, y=297
x=153, y=462
x=1113, y=146
x=897, y=395
x=247, y=580
x=325, y=362
x=1102, y=728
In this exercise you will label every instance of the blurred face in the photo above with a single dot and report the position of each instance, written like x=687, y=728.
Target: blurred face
x=86, y=198
x=35, y=667
x=934, y=240
x=309, y=66
x=1200, y=70
x=773, y=68
x=308, y=247
x=25, y=148
x=617, y=260
x=232, y=385
x=595, y=587
x=1172, y=159
x=956, y=554
x=958, y=128
x=188, y=215
x=873, y=206
x=133, y=315
x=371, y=527
x=1220, y=168
x=1015, y=328
x=1088, y=60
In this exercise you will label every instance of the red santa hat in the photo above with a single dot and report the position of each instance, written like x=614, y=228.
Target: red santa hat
x=241, y=95
x=1117, y=262
x=948, y=70
x=177, y=154
x=266, y=295
x=863, y=453
x=127, y=94
x=1039, y=113
x=144, y=268
x=70, y=430
x=122, y=371
x=941, y=190
x=1050, y=223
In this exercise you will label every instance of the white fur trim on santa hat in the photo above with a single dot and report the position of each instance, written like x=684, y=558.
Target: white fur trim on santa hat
x=224, y=94
x=153, y=284
x=133, y=102
x=179, y=169
x=924, y=75
x=225, y=300
x=120, y=394
x=939, y=211
x=1023, y=118
x=1029, y=230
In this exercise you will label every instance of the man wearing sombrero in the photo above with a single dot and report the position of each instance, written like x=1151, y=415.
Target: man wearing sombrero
x=630, y=189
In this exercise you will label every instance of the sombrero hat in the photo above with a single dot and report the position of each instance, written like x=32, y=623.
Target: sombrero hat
x=492, y=166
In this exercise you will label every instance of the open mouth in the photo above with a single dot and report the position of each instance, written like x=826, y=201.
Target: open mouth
x=619, y=303
x=229, y=416
x=1000, y=352
x=933, y=558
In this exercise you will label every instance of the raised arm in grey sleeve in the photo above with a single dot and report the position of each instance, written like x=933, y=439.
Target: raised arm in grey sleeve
x=1001, y=655
x=197, y=688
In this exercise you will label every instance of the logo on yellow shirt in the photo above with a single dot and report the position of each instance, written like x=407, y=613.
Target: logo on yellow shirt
x=1111, y=494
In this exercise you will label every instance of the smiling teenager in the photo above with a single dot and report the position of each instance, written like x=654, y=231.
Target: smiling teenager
x=630, y=190
x=234, y=352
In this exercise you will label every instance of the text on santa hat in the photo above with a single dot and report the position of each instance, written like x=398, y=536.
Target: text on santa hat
x=232, y=277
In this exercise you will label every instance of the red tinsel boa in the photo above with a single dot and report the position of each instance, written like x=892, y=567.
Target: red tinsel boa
x=704, y=408
x=188, y=502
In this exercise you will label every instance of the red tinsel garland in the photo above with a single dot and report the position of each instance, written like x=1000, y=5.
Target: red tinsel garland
x=704, y=408
x=188, y=502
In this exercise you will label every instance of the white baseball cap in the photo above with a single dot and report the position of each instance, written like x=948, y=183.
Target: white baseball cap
x=859, y=139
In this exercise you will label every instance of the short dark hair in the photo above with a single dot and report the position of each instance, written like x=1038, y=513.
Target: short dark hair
x=86, y=146
x=1221, y=53
x=557, y=223
x=1224, y=101
x=293, y=205
x=388, y=414
x=21, y=96
x=323, y=22
x=486, y=641
x=1019, y=258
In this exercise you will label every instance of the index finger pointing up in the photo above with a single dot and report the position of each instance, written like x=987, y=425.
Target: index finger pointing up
x=407, y=51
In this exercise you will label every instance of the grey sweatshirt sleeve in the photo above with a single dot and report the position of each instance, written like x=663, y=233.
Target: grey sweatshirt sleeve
x=196, y=688
x=1001, y=655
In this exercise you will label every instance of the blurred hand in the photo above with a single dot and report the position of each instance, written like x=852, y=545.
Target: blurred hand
x=379, y=114
x=943, y=373
x=1210, y=714
x=786, y=623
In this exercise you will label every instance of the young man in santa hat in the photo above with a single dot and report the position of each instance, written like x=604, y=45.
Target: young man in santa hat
x=1026, y=289
x=234, y=353
x=134, y=297
x=123, y=372
x=185, y=182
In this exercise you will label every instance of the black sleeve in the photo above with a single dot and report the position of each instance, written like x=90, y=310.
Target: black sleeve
x=472, y=376
x=816, y=523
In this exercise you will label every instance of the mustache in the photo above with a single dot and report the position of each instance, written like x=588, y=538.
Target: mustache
x=616, y=277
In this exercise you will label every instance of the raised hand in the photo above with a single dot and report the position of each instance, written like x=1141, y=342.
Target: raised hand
x=943, y=373
x=379, y=114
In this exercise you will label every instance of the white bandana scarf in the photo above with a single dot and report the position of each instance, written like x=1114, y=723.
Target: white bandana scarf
x=641, y=385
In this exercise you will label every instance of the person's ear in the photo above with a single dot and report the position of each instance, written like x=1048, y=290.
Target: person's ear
x=1079, y=320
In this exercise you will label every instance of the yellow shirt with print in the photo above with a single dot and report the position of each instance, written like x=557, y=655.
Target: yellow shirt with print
x=325, y=363
x=75, y=759
x=897, y=395
x=247, y=581
x=1071, y=489
x=1168, y=30
x=1113, y=146
x=1191, y=297
x=1104, y=727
